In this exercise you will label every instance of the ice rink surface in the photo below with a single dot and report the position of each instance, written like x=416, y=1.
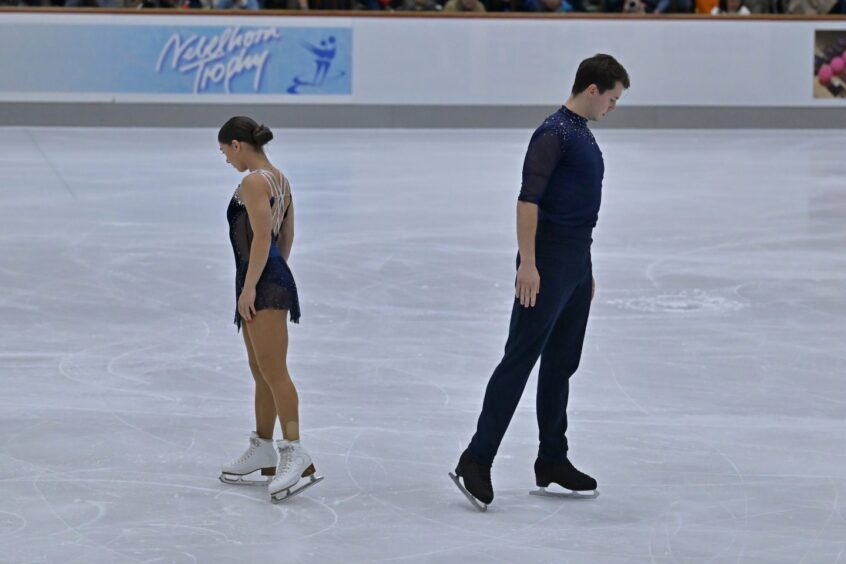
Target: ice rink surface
x=710, y=404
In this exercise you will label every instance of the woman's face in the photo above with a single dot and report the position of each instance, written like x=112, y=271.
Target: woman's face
x=234, y=152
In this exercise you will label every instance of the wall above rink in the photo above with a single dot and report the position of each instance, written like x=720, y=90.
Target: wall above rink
x=140, y=69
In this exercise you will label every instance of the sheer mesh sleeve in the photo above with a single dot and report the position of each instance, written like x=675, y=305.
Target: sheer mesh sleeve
x=541, y=159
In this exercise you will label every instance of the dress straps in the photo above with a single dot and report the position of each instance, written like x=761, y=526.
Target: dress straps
x=279, y=191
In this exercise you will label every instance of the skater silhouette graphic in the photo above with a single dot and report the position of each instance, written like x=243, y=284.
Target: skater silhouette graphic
x=324, y=55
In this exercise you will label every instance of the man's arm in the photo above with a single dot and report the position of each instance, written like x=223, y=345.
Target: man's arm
x=542, y=158
x=528, y=279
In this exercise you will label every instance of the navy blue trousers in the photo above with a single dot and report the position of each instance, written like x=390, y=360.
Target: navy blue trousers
x=554, y=331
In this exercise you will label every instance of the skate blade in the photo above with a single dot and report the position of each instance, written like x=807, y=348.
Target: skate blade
x=565, y=494
x=236, y=480
x=476, y=503
x=299, y=487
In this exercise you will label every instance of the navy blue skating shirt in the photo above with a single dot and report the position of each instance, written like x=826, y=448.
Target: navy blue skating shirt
x=563, y=170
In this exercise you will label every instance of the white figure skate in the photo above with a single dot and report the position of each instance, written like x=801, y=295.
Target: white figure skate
x=294, y=471
x=260, y=455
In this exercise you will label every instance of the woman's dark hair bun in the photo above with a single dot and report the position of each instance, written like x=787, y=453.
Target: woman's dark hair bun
x=262, y=135
x=245, y=130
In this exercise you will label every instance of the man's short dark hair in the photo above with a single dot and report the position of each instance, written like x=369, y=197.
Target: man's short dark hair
x=602, y=70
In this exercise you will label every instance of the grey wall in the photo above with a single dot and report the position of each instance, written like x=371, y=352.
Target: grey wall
x=345, y=116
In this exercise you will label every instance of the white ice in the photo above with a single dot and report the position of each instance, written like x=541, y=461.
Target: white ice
x=710, y=404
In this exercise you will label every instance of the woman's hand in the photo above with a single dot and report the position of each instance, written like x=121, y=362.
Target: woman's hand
x=247, y=303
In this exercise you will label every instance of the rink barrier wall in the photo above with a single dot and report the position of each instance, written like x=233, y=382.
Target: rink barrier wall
x=139, y=69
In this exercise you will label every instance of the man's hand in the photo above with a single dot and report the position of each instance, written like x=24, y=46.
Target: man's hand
x=528, y=284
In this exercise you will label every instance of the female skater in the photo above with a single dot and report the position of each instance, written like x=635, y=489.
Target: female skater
x=261, y=230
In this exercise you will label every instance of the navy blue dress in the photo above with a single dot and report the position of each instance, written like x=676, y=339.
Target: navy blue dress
x=275, y=288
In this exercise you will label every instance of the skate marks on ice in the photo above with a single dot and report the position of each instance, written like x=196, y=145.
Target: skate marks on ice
x=141, y=517
x=416, y=499
x=683, y=301
x=145, y=516
x=144, y=352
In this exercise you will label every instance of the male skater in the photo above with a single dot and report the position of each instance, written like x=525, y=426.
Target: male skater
x=556, y=212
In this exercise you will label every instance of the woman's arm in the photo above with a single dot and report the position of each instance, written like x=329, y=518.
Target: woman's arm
x=253, y=193
x=286, y=235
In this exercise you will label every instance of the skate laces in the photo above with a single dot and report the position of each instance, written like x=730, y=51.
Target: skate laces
x=286, y=459
x=254, y=444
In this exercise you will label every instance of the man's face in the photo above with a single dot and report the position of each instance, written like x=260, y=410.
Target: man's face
x=604, y=103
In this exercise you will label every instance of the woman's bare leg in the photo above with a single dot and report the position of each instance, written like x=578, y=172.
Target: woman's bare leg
x=264, y=405
x=268, y=335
